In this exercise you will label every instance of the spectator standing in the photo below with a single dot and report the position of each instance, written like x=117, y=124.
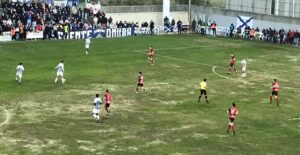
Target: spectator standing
x=151, y=27
x=296, y=39
x=110, y=20
x=231, y=29
x=214, y=28
x=193, y=25
x=173, y=25
x=281, y=36
x=247, y=33
x=179, y=26
x=292, y=36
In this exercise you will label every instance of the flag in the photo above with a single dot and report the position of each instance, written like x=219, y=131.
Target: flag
x=243, y=21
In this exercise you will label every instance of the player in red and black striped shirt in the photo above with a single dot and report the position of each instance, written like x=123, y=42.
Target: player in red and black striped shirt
x=140, y=83
x=275, y=89
x=232, y=64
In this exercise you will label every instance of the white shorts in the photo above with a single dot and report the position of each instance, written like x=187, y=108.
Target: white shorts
x=87, y=46
x=96, y=111
x=19, y=76
x=243, y=70
x=60, y=74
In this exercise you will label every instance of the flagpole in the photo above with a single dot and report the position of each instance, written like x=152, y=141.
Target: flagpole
x=189, y=12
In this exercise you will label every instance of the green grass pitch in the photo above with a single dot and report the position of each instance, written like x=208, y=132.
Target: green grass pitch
x=40, y=117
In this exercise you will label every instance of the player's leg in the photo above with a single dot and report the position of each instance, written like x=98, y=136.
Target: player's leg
x=243, y=73
x=19, y=78
x=200, y=95
x=137, y=88
x=61, y=75
x=56, y=78
x=233, y=128
x=271, y=96
x=229, y=127
x=234, y=69
x=86, y=51
x=229, y=69
x=107, y=109
x=206, y=98
x=144, y=89
x=97, y=118
x=277, y=100
x=152, y=60
x=62, y=79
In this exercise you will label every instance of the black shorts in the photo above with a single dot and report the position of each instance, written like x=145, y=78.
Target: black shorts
x=107, y=105
x=202, y=91
x=231, y=65
x=231, y=119
x=140, y=85
x=274, y=93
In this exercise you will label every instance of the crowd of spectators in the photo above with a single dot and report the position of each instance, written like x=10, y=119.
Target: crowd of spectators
x=271, y=35
x=35, y=17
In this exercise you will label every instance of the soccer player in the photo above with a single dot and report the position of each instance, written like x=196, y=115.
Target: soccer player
x=97, y=108
x=108, y=98
x=233, y=112
x=151, y=55
x=203, y=87
x=60, y=72
x=243, y=66
x=232, y=64
x=87, y=45
x=140, y=83
x=19, y=73
x=275, y=89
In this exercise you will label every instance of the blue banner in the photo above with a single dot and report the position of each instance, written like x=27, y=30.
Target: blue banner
x=98, y=33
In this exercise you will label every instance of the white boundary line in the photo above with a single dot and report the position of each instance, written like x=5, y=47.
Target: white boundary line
x=226, y=77
x=6, y=118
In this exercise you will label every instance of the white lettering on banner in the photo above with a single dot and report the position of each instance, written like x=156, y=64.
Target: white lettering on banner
x=34, y=35
x=6, y=33
x=146, y=30
x=124, y=32
x=88, y=34
x=5, y=38
x=128, y=32
x=72, y=35
x=77, y=35
x=108, y=33
x=99, y=33
x=114, y=33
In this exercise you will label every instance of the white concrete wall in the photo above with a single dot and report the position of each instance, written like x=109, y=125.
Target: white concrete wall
x=225, y=21
x=282, y=7
x=140, y=17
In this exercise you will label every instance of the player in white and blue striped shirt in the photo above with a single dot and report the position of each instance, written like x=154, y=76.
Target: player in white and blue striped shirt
x=96, y=108
x=19, y=73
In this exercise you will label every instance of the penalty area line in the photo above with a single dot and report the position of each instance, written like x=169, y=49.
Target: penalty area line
x=6, y=116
